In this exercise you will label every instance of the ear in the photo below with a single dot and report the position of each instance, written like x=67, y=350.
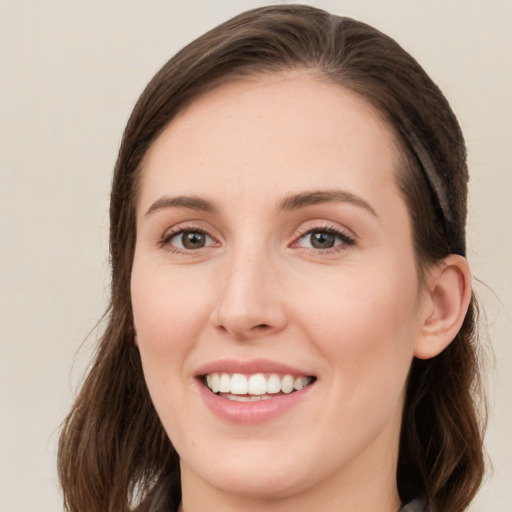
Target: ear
x=449, y=294
x=135, y=340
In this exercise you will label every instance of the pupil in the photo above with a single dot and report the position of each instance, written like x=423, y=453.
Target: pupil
x=322, y=239
x=193, y=240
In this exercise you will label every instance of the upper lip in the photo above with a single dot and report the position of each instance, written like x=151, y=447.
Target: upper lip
x=249, y=367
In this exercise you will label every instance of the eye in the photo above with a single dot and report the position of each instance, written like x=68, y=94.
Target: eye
x=189, y=240
x=324, y=239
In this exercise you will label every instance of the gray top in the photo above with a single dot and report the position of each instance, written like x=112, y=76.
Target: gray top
x=414, y=506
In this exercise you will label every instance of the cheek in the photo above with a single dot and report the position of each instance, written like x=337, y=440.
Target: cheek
x=168, y=313
x=365, y=324
x=168, y=316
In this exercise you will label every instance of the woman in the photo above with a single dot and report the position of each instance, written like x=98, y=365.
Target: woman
x=291, y=324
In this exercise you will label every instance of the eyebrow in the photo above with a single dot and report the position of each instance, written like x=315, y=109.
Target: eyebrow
x=190, y=202
x=303, y=199
x=290, y=202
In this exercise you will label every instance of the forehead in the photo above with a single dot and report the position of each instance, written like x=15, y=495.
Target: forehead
x=283, y=130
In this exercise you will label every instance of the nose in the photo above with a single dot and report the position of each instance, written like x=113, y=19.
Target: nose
x=250, y=297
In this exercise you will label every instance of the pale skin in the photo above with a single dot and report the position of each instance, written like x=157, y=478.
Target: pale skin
x=235, y=169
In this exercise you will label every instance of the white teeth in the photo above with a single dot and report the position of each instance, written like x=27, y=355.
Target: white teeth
x=246, y=398
x=225, y=383
x=287, y=384
x=273, y=384
x=238, y=384
x=256, y=386
x=238, y=398
x=215, y=382
x=300, y=383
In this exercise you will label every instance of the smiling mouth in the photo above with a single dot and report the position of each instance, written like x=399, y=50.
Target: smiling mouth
x=254, y=387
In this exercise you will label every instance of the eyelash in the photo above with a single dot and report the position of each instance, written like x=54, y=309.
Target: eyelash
x=346, y=239
x=165, y=241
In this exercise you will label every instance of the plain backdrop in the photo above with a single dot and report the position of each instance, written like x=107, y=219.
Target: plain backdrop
x=70, y=72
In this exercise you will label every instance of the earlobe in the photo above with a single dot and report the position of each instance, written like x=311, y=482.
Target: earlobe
x=449, y=294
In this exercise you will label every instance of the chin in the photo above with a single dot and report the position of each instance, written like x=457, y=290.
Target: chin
x=258, y=483
x=257, y=477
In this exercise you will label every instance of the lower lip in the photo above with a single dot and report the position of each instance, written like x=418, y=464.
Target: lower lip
x=251, y=412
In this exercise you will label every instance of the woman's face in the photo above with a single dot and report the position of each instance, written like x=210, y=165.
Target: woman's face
x=274, y=250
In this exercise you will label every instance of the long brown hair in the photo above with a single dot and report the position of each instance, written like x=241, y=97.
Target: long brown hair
x=113, y=451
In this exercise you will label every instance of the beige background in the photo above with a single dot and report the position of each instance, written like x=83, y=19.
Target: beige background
x=71, y=71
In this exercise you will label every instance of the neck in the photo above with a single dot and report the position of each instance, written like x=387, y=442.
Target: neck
x=388, y=504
